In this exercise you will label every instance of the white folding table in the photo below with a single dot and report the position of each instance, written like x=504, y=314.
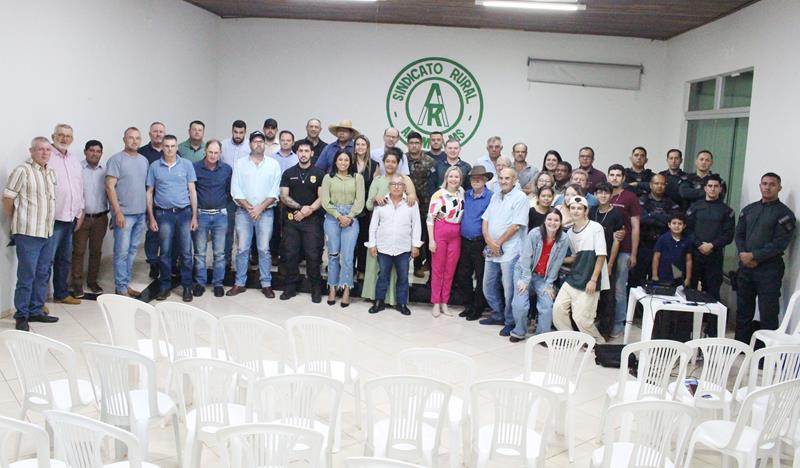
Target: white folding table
x=652, y=304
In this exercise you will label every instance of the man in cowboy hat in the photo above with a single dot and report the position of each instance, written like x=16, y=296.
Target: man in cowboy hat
x=344, y=133
x=476, y=200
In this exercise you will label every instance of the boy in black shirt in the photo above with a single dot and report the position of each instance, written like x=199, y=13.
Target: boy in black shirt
x=612, y=220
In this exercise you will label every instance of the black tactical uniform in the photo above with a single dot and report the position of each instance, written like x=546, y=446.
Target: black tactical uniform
x=654, y=220
x=691, y=188
x=709, y=221
x=765, y=230
x=642, y=180
x=672, y=185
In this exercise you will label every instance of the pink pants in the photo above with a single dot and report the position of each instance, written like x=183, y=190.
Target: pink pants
x=444, y=260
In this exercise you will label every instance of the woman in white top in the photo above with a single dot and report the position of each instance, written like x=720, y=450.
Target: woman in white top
x=444, y=231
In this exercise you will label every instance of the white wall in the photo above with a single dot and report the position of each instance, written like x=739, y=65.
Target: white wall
x=764, y=36
x=101, y=66
x=293, y=70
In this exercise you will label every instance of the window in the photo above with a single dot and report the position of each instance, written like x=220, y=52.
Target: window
x=737, y=89
x=701, y=95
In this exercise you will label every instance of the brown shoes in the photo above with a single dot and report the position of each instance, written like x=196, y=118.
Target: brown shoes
x=69, y=300
x=236, y=290
x=268, y=293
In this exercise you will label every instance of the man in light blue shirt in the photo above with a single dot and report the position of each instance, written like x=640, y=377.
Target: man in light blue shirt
x=494, y=147
x=255, y=187
x=285, y=157
x=504, y=227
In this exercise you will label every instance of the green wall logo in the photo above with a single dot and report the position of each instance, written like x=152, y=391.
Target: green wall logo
x=435, y=94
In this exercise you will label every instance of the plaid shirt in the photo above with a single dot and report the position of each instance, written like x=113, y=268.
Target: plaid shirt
x=33, y=189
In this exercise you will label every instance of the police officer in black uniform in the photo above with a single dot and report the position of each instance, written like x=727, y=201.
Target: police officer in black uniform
x=765, y=229
x=637, y=178
x=674, y=174
x=656, y=208
x=710, y=228
x=302, y=228
x=692, y=186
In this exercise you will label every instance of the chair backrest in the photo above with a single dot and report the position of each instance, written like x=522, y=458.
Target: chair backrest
x=791, y=315
x=78, y=440
x=565, y=362
x=779, y=402
x=10, y=426
x=298, y=400
x=120, y=313
x=408, y=398
x=511, y=408
x=260, y=445
x=778, y=364
x=183, y=327
x=719, y=357
x=657, y=432
x=443, y=365
x=31, y=354
x=657, y=360
x=254, y=343
x=317, y=343
x=215, y=385
x=373, y=462
x=117, y=371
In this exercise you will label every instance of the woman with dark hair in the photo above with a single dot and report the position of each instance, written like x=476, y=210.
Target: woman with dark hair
x=535, y=273
x=369, y=169
x=378, y=195
x=540, y=209
x=550, y=162
x=342, y=195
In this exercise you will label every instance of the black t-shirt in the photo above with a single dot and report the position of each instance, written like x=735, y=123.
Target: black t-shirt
x=303, y=184
x=611, y=221
x=535, y=219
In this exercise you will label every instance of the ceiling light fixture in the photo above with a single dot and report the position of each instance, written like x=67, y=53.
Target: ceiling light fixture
x=533, y=5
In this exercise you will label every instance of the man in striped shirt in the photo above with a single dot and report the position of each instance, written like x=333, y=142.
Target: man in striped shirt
x=29, y=200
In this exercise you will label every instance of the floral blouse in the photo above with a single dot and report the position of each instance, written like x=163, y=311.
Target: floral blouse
x=448, y=204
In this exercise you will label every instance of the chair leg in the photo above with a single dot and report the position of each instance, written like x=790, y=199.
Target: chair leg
x=569, y=430
x=690, y=454
x=455, y=436
x=606, y=404
x=177, y=439
x=193, y=451
x=21, y=417
x=357, y=398
x=337, y=434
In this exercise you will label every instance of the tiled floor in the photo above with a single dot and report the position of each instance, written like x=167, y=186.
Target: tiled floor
x=379, y=338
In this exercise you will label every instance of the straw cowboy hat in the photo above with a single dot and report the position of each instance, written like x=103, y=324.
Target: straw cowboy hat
x=346, y=123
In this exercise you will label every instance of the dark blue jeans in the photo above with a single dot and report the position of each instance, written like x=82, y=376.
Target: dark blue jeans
x=174, y=232
x=229, y=233
x=151, y=247
x=61, y=257
x=215, y=227
x=399, y=263
x=34, y=256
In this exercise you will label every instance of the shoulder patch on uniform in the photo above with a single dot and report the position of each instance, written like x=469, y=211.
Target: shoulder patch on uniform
x=787, y=222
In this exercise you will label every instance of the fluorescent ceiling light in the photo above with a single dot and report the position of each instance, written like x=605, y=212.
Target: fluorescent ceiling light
x=532, y=5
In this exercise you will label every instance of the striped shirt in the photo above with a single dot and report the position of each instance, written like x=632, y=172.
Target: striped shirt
x=33, y=189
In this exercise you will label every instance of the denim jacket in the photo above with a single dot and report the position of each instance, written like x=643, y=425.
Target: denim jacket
x=532, y=250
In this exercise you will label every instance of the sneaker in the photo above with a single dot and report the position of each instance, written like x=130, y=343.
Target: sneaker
x=491, y=321
x=515, y=339
x=69, y=300
x=95, y=288
x=506, y=331
x=77, y=292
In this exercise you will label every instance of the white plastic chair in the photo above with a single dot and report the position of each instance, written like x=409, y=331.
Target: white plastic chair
x=41, y=390
x=9, y=427
x=324, y=347
x=120, y=313
x=301, y=400
x=215, y=385
x=567, y=354
x=79, y=441
x=184, y=328
x=255, y=343
x=261, y=445
x=452, y=368
x=778, y=364
x=780, y=336
x=406, y=434
x=712, y=392
x=374, y=462
x=125, y=401
x=512, y=422
x=749, y=437
x=657, y=435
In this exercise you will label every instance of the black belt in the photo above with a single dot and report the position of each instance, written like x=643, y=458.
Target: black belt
x=173, y=210
x=474, y=239
x=96, y=215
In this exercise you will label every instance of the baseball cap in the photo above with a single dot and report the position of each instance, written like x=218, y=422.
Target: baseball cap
x=257, y=134
x=580, y=201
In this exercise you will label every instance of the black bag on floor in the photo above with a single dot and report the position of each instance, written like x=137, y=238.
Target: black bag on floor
x=610, y=355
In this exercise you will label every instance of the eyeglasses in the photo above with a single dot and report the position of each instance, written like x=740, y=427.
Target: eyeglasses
x=397, y=184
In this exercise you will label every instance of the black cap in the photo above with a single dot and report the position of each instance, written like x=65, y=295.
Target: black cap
x=257, y=134
x=270, y=123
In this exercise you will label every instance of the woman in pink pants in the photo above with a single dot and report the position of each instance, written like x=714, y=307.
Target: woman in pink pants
x=444, y=234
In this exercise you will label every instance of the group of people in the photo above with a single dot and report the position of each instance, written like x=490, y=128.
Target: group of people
x=559, y=244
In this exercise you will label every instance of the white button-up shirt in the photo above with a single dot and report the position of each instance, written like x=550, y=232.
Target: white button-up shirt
x=395, y=229
x=256, y=182
x=232, y=152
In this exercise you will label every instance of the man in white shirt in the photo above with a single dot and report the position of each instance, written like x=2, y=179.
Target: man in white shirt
x=390, y=138
x=233, y=149
x=395, y=236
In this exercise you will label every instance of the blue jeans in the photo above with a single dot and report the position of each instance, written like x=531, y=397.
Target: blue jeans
x=217, y=225
x=151, y=247
x=244, y=232
x=341, y=249
x=229, y=231
x=621, y=271
x=126, y=243
x=521, y=305
x=61, y=257
x=34, y=255
x=400, y=263
x=174, y=232
x=500, y=300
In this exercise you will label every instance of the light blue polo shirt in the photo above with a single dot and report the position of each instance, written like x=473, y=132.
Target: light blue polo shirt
x=171, y=183
x=504, y=211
